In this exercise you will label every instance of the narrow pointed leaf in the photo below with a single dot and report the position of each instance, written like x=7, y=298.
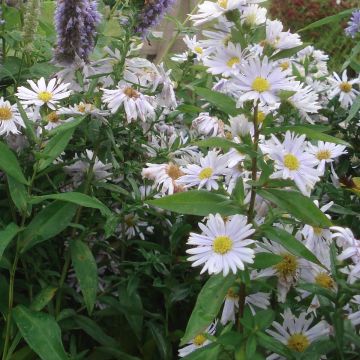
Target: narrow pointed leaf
x=6, y=237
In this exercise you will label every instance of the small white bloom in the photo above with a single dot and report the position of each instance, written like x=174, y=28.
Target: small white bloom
x=136, y=105
x=10, y=118
x=208, y=125
x=279, y=39
x=253, y=15
x=223, y=245
x=43, y=94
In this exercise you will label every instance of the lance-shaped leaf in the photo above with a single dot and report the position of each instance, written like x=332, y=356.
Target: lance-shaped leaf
x=41, y=332
x=197, y=202
x=86, y=271
x=10, y=165
x=298, y=205
x=6, y=236
x=208, y=304
x=18, y=194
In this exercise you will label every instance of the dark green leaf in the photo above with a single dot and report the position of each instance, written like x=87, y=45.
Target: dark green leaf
x=197, y=202
x=67, y=126
x=162, y=343
x=86, y=271
x=116, y=354
x=269, y=343
x=318, y=290
x=288, y=53
x=43, y=298
x=18, y=194
x=265, y=260
x=355, y=108
x=10, y=165
x=41, y=332
x=29, y=125
x=208, y=304
x=6, y=236
x=298, y=205
x=209, y=352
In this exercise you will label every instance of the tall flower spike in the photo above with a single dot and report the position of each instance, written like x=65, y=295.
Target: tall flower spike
x=151, y=14
x=31, y=21
x=76, y=22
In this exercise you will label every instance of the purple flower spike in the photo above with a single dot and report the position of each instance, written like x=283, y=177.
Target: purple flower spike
x=76, y=22
x=354, y=24
x=151, y=14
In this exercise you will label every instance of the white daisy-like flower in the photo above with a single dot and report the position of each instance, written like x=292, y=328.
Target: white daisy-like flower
x=293, y=161
x=231, y=306
x=83, y=108
x=164, y=176
x=259, y=300
x=208, y=125
x=261, y=80
x=195, y=47
x=136, y=104
x=223, y=245
x=279, y=39
x=296, y=332
x=199, y=341
x=351, y=246
x=344, y=88
x=207, y=174
x=10, y=118
x=54, y=120
x=325, y=153
x=354, y=316
x=226, y=60
x=43, y=94
x=253, y=15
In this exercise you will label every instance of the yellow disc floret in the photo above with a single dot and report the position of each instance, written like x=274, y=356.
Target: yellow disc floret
x=324, y=280
x=206, y=173
x=288, y=266
x=198, y=50
x=233, y=61
x=174, y=171
x=223, y=3
x=222, y=245
x=323, y=154
x=199, y=340
x=298, y=342
x=260, y=116
x=291, y=162
x=345, y=87
x=45, y=96
x=260, y=84
x=5, y=113
x=131, y=93
x=53, y=117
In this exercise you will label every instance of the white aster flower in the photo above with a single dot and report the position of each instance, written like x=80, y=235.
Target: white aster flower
x=351, y=246
x=195, y=47
x=199, y=341
x=293, y=161
x=210, y=170
x=259, y=300
x=296, y=332
x=136, y=104
x=10, y=118
x=253, y=15
x=279, y=39
x=226, y=60
x=344, y=88
x=326, y=153
x=83, y=108
x=261, y=81
x=43, y=94
x=240, y=126
x=223, y=245
x=231, y=306
x=208, y=125
x=54, y=120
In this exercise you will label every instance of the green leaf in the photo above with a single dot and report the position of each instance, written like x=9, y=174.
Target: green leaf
x=290, y=243
x=162, y=342
x=209, y=352
x=10, y=165
x=48, y=223
x=6, y=236
x=41, y=332
x=18, y=194
x=29, y=125
x=355, y=108
x=55, y=147
x=298, y=205
x=310, y=131
x=86, y=271
x=208, y=304
x=115, y=353
x=226, y=145
x=288, y=53
x=43, y=298
x=221, y=101
x=196, y=202
x=265, y=260
x=318, y=290
x=270, y=343
x=67, y=126
x=75, y=198
x=329, y=19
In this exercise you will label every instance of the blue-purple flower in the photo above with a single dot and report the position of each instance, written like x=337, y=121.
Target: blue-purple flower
x=151, y=14
x=353, y=24
x=76, y=22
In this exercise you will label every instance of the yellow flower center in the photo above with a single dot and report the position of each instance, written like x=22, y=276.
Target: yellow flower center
x=129, y=220
x=298, y=342
x=131, y=93
x=260, y=116
x=5, y=113
x=231, y=294
x=199, y=340
x=222, y=245
x=251, y=19
x=284, y=65
x=198, y=50
x=206, y=173
x=223, y=3
x=345, y=87
x=45, y=96
x=317, y=230
x=233, y=61
x=324, y=280
x=174, y=171
x=53, y=117
x=260, y=84
x=291, y=162
x=323, y=154
x=287, y=266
